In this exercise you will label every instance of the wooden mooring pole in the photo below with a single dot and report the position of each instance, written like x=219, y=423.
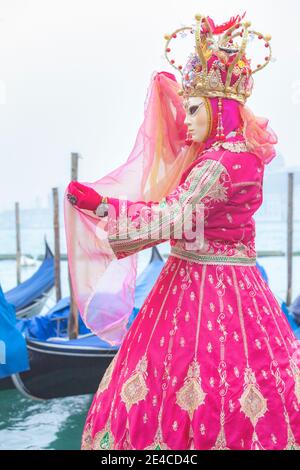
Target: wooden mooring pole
x=56, y=244
x=290, y=237
x=18, y=242
x=73, y=316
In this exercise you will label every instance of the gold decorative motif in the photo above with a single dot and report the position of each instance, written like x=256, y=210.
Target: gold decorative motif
x=291, y=441
x=191, y=394
x=103, y=440
x=297, y=387
x=221, y=441
x=235, y=147
x=135, y=388
x=253, y=403
x=86, y=441
x=296, y=374
x=218, y=192
x=104, y=383
x=157, y=445
x=209, y=114
x=158, y=442
x=214, y=79
x=201, y=257
x=256, y=445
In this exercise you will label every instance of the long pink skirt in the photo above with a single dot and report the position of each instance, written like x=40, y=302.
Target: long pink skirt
x=210, y=362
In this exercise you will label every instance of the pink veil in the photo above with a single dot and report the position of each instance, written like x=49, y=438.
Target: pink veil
x=259, y=136
x=103, y=285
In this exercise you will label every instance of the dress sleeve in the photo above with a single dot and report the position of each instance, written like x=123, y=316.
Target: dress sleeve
x=135, y=226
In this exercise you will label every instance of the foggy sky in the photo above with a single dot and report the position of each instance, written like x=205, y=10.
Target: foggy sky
x=74, y=77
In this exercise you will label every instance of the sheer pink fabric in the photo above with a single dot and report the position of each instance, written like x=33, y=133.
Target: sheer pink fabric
x=104, y=285
x=258, y=134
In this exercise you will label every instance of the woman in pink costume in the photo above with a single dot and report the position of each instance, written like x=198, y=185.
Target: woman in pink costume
x=210, y=362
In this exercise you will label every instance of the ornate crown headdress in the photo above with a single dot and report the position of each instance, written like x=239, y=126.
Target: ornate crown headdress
x=219, y=66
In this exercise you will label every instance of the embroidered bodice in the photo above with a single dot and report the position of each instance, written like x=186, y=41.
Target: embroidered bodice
x=226, y=182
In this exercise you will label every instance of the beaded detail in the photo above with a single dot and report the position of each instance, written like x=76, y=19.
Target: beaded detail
x=238, y=258
x=212, y=259
x=236, y=147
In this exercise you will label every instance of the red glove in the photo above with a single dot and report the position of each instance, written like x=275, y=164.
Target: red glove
x=83, y=196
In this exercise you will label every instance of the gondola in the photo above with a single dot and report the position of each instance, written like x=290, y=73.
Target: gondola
x=295, y=309
x=263, y=272
x=64, y=368
x=291, y=318
x=30, y=296
x=60, y=367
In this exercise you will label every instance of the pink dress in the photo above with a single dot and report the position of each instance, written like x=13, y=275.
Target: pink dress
x=210, y=362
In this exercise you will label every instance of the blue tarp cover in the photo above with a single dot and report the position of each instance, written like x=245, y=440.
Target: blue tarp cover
x=46, y=326
x=13, y=352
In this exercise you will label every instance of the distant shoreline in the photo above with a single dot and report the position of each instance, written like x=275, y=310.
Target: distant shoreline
x=64, y=257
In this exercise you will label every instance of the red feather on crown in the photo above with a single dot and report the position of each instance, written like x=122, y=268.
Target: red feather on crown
x=224, y=26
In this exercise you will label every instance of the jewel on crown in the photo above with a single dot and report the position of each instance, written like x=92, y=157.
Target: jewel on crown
x=219, y=65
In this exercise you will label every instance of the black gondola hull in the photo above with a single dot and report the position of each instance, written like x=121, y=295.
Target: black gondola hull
x=59, y=370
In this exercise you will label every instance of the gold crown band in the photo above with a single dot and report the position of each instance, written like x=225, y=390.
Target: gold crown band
x=216, y=94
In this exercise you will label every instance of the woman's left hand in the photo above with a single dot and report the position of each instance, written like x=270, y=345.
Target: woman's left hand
x=83, y=196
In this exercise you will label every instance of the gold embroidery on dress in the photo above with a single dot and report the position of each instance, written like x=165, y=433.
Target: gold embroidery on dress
x=260, y=288
x=186, y=282
x=158, y=443
x=253, y=403
x=256, y=445
x=191, y=394
x=280, y=385
x=296, y=374
x=275, y=371
x=220, y=286
x=297, y=386
x=86, y=441
x=104, y=383
x=221, y=441
x=291, y=441
x=125, y=444
x=135, y=388
x=215, y=253
x=104, y=439
x=218, y=192
x=236, y=147
x=165, y=271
